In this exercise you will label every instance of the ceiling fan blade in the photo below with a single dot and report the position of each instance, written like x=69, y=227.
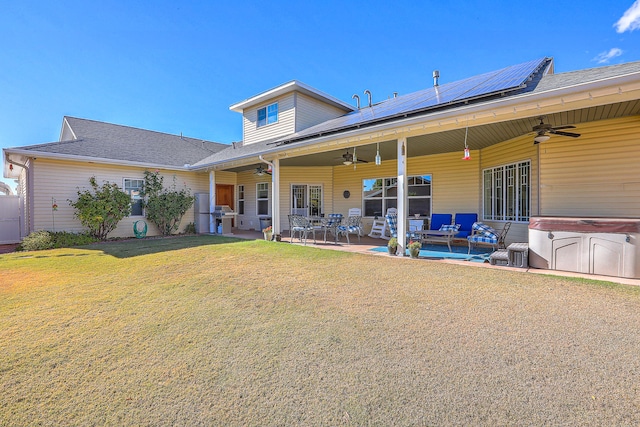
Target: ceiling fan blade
x=564, y=127
x=362, y=161
x=571, y=134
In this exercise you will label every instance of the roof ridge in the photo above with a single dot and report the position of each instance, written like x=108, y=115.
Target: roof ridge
x=141, y=129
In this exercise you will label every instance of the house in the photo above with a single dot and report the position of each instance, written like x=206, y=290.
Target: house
x=323, y=152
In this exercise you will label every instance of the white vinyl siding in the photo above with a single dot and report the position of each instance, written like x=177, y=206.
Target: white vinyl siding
x=61, y=180
x=310, y=112
x=284, y=126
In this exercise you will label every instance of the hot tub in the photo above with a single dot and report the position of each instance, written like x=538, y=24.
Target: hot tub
x=604, y=246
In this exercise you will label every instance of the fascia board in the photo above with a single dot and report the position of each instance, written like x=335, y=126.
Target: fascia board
x=89, y=159
x=291, y=86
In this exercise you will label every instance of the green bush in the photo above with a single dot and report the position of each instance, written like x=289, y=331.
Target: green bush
x=101, y=210
x=41, y=240
x=190, y=228
x=165, y=207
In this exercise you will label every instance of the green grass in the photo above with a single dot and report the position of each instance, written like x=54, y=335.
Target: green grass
x=204, y=330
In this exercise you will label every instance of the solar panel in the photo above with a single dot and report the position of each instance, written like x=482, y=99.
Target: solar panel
x=483, y=85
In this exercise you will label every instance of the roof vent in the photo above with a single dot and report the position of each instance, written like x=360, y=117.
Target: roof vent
x=357, y=98
x=436, y=76
x=368, y=93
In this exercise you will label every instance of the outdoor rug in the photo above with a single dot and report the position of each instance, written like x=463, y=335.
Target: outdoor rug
x=442, y=252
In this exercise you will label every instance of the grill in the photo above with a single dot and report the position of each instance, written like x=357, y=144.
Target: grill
x=223, y=216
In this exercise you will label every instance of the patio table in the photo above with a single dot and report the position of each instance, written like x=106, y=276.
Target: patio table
x=436, y=236
x=326, y=224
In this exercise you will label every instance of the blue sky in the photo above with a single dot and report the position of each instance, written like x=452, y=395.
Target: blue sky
x=176, y=67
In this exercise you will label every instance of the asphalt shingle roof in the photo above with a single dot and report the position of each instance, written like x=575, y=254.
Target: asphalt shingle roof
x=116, y=142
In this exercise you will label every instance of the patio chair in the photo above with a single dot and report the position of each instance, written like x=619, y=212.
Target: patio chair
x=438, y=220
x=392, y=223
x=331, y=223
x=379, y=227
x=352, y=225
x=302, y=226
x=485, y=235
x=466, y=221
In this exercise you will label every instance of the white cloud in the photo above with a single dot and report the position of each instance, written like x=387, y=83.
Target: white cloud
x=630, y=20
x=604, y=57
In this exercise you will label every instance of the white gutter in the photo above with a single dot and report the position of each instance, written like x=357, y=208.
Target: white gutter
x=275, y=193
x=89, y=159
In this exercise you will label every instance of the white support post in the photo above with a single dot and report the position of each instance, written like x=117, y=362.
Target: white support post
x=402, y=195
x=275, y=196
x=212, y=201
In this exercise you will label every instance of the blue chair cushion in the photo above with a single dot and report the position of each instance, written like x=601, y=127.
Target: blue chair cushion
x=438, y=220
x=450, y=227
x=466, y=221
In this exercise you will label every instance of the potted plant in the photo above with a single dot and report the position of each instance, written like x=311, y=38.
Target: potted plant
x=268, y=233
x=414, y=248
x=392, y=246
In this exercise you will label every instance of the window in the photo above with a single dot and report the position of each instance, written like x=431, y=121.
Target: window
x=306, y=199
x=507, y=192
x=262, y=198
x=133, y=187
x=240, y=199
x=380, y=194
x=268, y=115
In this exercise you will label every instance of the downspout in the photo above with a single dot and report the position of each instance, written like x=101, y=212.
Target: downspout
x=28, y=202
x=275, y=193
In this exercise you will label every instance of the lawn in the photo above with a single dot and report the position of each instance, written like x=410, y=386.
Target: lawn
x=215, y=331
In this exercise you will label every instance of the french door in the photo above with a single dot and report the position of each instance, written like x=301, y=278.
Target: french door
x=306, y=199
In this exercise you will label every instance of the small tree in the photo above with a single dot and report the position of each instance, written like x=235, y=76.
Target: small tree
x=165, y=207
x=101, y=210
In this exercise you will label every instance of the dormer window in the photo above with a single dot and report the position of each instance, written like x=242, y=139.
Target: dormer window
x=268, y=115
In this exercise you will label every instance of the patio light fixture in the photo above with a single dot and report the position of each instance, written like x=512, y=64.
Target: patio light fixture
x=467, y=155
x=541, y=138
x=378, y=158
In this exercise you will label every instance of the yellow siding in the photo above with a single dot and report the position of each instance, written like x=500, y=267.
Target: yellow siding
x=61, y=180
x=594, y=175
x=284, y=126
x=310, y=112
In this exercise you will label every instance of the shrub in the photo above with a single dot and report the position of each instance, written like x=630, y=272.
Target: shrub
x=165, y=207
x=190, y=228
x=36, y=241
x=101, y=210
x=41, y=240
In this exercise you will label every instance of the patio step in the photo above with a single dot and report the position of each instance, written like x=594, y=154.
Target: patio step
x=500, y=257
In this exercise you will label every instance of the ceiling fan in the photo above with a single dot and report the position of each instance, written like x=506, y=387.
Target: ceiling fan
x=261, y=171
x=543, y=128
x=351, y=158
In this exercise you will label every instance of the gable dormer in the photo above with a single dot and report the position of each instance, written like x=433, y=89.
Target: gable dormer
x=285, y=110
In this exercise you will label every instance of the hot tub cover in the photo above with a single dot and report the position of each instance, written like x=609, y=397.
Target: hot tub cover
x=585, y=225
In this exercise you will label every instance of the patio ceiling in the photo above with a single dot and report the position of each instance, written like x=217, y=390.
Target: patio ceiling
x=478, y=137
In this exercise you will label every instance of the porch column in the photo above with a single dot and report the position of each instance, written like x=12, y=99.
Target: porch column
x=275, y=196
x=212, y=200
x=402, y=195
